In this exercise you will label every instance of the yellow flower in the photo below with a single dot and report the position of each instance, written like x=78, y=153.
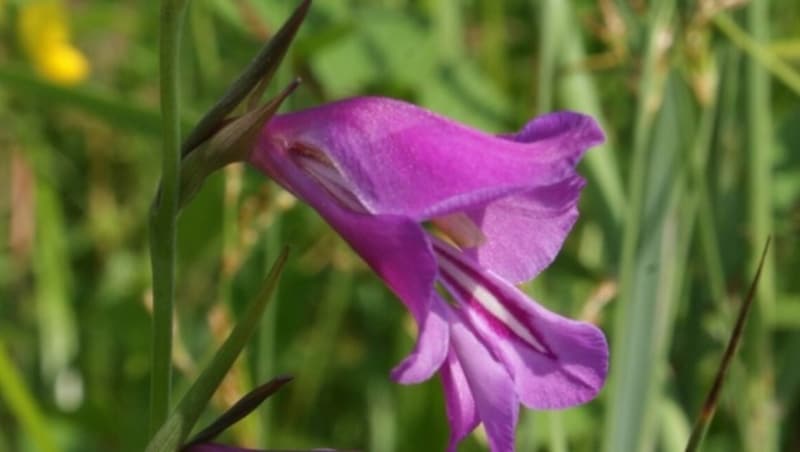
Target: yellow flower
x=44, y=35
x=63, y=64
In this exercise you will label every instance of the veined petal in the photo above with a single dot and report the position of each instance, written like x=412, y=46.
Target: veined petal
x=460, y=405
x=433, y=341
x=555, y=362
x=524, y=232
x=491, y=387
x=403, y=160
x=390, y=244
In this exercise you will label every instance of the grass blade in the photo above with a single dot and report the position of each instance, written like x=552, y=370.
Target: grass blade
x=179, y=424
x=761, y=54
x=712, y=399
x=21, y=404
x=649, y=268
x=577, y=91
x=106, y=106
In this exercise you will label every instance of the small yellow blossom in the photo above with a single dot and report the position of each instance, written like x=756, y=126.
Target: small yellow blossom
x=63, y=64
x=44, y=35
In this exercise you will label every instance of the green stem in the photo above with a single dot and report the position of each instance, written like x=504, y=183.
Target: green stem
x=164, y=213
x=754, y=46
x=625, y=422
x=20, y=402
x=178, y=426
x=761, y=434
x=550, y=35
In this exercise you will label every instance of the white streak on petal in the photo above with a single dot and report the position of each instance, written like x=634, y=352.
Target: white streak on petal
x=488, y=300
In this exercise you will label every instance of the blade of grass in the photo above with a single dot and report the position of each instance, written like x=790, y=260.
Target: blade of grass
x=493, y=42
x=558, y=437
x=266, y=355
x=51, y=264
x=674, y=426
x=762, y=55
x=21, y=404
x=577, y=92
x=761, y=432
x=206, y=45
x=107, y=106
x=449, y=28
x=382, y=416
x=550, y=43
x=640, y=322
x=179, y=424
x=712, y=399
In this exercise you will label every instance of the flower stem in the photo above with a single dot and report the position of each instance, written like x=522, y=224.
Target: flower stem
x=164, y=214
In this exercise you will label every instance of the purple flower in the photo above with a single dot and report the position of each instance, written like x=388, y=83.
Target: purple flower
x=429, y=202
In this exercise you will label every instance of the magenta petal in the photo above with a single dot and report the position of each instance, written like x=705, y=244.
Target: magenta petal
x=491, y=386
x=574, y=133
x=390, y=244
x=571, y=372
x=572, y=375
x=524, y=232
x=431, y=348
x=460, y=406
x=404, y=160
x=555, y=362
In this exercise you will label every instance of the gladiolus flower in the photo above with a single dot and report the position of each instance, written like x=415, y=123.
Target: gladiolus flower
x=429, y=202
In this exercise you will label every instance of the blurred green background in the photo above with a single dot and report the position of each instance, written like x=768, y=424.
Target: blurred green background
x=700, y=100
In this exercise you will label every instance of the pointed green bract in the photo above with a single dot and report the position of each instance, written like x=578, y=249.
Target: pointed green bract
x=240, y=409
x=256, y=76
x=230, y=144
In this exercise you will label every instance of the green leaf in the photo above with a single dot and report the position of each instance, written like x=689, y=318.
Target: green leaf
x=179, y=424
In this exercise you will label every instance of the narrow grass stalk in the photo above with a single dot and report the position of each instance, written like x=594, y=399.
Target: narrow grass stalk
x=550, y=36
x=265, y=339
x=117, y=112
x=763, y=56
x=558, y=435
x=712, y=399
x=760, y=151
x=577, y=91
x=644, y=303
x=163, y=217
x=180, y=423
x=21, y=404
x=761, y=432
